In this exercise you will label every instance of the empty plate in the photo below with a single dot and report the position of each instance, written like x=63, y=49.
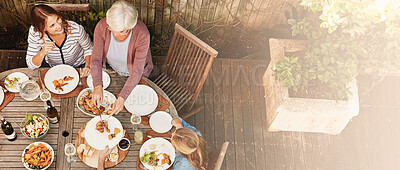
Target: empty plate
x=106, y=80
x=143, y=100
x=161, y=122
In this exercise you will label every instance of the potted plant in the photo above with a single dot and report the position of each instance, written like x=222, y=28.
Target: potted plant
x=310, y=85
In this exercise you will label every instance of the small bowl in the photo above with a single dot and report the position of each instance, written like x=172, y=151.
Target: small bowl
x=129, y=144
x=40, y=136
x=115, y=159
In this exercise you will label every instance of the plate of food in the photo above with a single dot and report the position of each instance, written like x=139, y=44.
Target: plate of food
x=106, y=80
x=157, y=153
x=161, y=122
x=85, y=104
x=13, y=81
x=1, y=95
x=61, y=79
x=143, y=100
x=37, y=155
x=99, y=135
x=35, y=126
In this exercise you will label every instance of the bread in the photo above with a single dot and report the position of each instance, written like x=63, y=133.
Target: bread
x=91, y=151
x=83, y=134
x=87, y=148
x=81, y=148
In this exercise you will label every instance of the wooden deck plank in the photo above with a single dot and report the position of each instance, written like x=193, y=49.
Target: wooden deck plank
x=226, y=100
x=209, y=110
x=218, y=106
x=238, y=118
x=247, y=116
x=257, y=100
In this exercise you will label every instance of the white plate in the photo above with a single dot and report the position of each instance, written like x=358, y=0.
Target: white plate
x=1, y=95
x=142, y=100
x=162, y=146
x=106, y=80
x=23, y=77
x=161, y=122
x=36, y=143
x=99, y=140
x=108, y=99
x=59, y=72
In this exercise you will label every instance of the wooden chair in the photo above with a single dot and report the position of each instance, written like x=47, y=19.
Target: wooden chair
x=73, y=12
x=187, y=64
x=217, y=157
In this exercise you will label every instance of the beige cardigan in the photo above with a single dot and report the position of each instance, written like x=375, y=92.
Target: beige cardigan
x=139, y=55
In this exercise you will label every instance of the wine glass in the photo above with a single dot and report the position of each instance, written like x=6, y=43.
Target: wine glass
x=70, y=152
x=135, y=120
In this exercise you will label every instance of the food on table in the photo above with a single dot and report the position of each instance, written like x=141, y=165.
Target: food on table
x=111, y=136
x=10, y=82
x=86, y=150
x=81, y=148
x=60, y=83
x=116, y=130
x=155, y=160
x=165, y=159
x=37, y=157
x=83, y=134
x=101, y=126
x=149, y=158
x=91, y=151
x=35, y=125
x=86, y=102
x=113, y=157
x=124, y=144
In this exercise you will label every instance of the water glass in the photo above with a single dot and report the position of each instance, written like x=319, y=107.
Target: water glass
x=70, y=151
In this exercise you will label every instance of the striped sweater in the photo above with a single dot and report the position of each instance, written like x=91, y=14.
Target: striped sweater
x=72, y=52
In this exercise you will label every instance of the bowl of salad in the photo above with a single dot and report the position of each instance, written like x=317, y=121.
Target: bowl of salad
x=35, y=126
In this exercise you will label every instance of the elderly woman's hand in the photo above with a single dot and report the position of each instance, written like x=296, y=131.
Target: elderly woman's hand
x=97, y=95
x=117, y=106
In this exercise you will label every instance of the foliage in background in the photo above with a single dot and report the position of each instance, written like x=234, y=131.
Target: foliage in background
x=349, y=37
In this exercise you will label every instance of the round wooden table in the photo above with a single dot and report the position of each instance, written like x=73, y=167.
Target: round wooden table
x=71, y=121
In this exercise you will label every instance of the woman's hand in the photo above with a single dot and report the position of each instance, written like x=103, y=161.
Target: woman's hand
x=48, y=46
x=117, y=106
x=97, y=95
x=177, y=123
x=85, y=71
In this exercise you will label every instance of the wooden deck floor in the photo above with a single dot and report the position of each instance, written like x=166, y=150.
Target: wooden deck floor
x=233, y=97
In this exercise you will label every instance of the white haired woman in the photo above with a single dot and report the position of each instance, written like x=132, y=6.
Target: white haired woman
x=123, y=42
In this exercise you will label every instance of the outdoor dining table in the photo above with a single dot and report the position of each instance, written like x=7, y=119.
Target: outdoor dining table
x=71, y=120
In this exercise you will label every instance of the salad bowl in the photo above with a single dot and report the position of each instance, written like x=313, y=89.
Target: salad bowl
x=34, y=126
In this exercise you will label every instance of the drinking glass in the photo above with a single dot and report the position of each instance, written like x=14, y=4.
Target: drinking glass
x=135, y=120
x=70, y=152
x=29, y=90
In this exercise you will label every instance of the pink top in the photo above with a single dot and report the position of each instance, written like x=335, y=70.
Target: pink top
x=138, y=55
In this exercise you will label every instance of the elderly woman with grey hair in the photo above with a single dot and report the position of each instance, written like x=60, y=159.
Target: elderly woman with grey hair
x=123, y=42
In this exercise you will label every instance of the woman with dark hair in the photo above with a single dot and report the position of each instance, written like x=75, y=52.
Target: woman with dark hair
x=57, y=41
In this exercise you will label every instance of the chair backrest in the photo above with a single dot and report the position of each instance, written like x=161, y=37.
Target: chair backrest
x=188, y=62
x=73, y=12
x=217, y=157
